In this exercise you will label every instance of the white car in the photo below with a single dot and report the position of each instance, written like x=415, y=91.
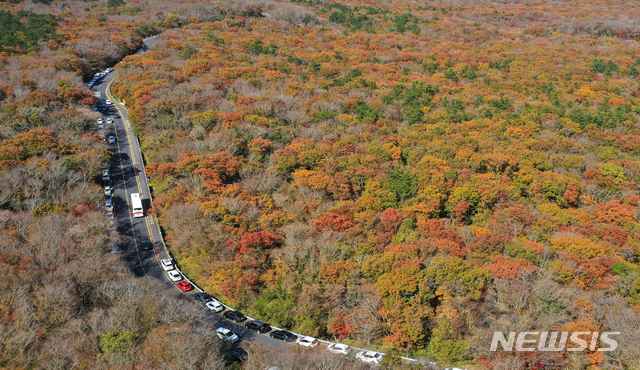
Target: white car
x=174, y=275
x=309, y=342
x=370, y=357
x=109, y=120
x=167, y=264
x=214, y=306
x=100, y=121
x=339, y=348
x=108, y=102
x=107, y=190
x=100, y=125
x=227, y=334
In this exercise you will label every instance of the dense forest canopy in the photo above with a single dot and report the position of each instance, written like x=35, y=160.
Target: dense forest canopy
x=389, y=174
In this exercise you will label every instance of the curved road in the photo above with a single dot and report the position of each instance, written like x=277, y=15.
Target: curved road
x=127, y=176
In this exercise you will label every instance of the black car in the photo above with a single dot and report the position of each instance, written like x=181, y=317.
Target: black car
x=259, y=326
x=202, y=297
x=146, y=246
x=116, y=115
x=283, y=335
x=235, y=316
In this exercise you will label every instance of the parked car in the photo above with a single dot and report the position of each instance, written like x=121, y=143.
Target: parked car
x=107, y=190
x=185, y=286
x=339, y=348
x=109, y=120
x=106, y=178
x=370, y=357
x=112, y=139
x=235, y=316
x=215, y=306
x=202, y=297
x=259, y=326
x=174, y=275
x=100, y=125
x=227, y=334
x=106, y=171
x=116, y=115
x=108, y=102
x=166, y=264
x=109, y=202
x=100, y=121
x=108, y=70
x=283, y=335
x=145, y=245
x=309, y=342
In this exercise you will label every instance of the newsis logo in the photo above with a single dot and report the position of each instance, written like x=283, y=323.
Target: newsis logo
x=554, y=341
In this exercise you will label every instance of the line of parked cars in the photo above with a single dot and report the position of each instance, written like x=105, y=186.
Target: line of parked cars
x=175, y=275
x=263, y=328
x=98, y=76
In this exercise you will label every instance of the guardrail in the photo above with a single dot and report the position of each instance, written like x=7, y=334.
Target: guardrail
x=432, y=365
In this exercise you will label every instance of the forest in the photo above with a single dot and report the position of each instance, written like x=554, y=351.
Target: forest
x=386, y=174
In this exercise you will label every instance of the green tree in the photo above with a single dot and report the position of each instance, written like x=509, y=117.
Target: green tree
x=117, y=344
x=401, y=183
x=445, y=344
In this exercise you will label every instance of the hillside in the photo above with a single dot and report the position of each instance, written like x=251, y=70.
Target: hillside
x=389, y=174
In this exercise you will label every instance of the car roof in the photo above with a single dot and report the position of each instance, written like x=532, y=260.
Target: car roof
x=308, y=338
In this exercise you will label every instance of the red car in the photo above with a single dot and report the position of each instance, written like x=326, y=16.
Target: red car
x=184, y=285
